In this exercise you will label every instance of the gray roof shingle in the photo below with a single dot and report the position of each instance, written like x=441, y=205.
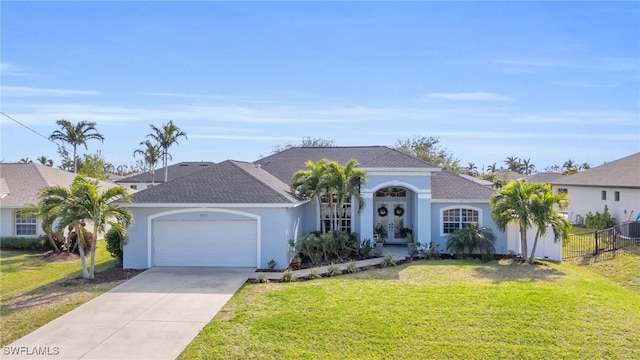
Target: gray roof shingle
x=545, y=177
x=285, y=163
x=448, y=186
x=23, y=182
x=224, y=183
x=175, y=171
x=623, y=173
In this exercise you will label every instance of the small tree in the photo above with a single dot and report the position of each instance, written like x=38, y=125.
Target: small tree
x=466, y=240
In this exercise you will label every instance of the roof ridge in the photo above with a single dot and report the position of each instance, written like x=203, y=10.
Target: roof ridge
x=44, y=178
x=234, y=163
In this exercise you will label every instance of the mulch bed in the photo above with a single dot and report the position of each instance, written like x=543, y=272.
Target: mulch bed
x=60, y=257
x=112, y=274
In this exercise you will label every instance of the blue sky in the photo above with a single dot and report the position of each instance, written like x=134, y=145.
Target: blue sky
x=549, y=81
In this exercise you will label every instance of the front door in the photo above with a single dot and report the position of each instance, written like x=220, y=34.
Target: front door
x=391, y=215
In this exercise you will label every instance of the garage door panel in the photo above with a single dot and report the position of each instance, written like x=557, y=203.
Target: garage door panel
x=205, y=243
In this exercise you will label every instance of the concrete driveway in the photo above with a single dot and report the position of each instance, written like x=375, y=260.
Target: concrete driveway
x=152, y=316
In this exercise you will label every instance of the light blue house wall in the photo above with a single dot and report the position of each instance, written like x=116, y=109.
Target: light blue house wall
x=485, y=220
x=277, y=226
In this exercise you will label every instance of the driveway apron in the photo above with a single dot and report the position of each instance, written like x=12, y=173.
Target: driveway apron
x=155, y=315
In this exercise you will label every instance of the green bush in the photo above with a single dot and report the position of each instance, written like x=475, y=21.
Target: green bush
x=313, y=274
x=116, y=238
x=333, y=270
x=334, y=246
x=262, y=278
x=288, y=276
x=352, y=268
x=464, y=241
x=21, y=243
x=600, y=221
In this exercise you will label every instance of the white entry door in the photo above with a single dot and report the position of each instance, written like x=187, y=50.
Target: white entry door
x=392, y=215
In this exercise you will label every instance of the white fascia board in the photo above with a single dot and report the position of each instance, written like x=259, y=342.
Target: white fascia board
x=458, y=201
x=211, y=205
x=401, y=171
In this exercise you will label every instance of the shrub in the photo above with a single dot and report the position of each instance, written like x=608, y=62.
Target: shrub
x=272, y=264
x=313, y=274
x=366, y=248
x=20, y=243
x=288, y=276
x=316, y=248
x=116, y=238
x=333, y=270
x=466, y=240
x=389, y=261
x=600, y=221
x=262, y=278
x=352, y=268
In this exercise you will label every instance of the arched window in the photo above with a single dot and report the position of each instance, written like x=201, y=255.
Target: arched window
x=453, y=219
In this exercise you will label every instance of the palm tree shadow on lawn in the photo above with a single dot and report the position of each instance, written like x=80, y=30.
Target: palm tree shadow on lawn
x=506, y=271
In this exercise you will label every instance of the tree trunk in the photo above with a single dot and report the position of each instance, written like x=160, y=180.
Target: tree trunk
x=80, y=242
x=75, y=161
x=166, y=167
x=535, y=243
x=94, y=245
x=323, y=228
x=523, y=241
x=52, y=242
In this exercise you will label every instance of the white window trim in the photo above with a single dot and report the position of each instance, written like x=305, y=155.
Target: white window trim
x=15, y=225
x=479, y=210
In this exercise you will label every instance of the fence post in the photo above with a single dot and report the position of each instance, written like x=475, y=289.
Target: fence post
x=596, y=250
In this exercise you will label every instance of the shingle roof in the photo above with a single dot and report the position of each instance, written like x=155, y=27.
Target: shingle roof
x=507, y=175
x=285, y=163
x=23, y=182
x=624, y=173
x=448, y=186
x=545, y=177
x=175, y=171
x=224, y=183
x=476, y=180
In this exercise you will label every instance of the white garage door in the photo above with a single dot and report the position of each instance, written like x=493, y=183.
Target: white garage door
x=205, y=243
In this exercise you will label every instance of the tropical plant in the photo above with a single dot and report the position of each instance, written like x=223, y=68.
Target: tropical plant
x=492, y=168
x=466, y=240
x=310, y=183
x=150, y=153
x=381, y=231
x=46, y=218
x=165, y=136
x=352, y=268
x=262, y=278
x=389, y=260
x=94, y=166
x=44, y=160
x=345, y=182
x=75, y=135
x=512, y=163
x=333, y=270
x=600, y=221
x=83, y=201
x=313, y=274
x=472, y=169
x=288, y=276
x=527, y=167
x=116, y=238
x=272, y=264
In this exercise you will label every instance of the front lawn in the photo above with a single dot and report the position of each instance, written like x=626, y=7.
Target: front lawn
x=431, y=309
x=33, y=293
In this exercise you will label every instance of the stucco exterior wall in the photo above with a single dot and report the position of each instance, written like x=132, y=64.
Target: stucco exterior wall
x=8, y=227
x=277, y=225
x=484, y=210
x=589, y=199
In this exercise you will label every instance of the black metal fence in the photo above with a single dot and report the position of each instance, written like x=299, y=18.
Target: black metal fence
x=601, y=241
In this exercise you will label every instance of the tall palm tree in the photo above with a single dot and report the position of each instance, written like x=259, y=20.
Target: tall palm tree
x=513, y=163
x=310, y=183
x=25, y=160
x=527, y=166
x=76, y=134
x=165, y=136
x=83, y=201
x=44, y=160
x=492, y=168
x=345, y=181
x=150, y=153
x=543, y=212
x=472, y=169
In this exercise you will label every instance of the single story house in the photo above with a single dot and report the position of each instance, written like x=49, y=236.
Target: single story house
x=146, y=180
x=20, y=185
x=240, y=214
x=615, y=184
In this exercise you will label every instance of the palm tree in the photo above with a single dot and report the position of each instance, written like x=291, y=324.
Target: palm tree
x=465, y=240
x=527, y=166
x=511, y=205
x=165, y=136
x=82, y=201
x=310, y=183
x=492, y=168
x=44, y=160
x=151, y=153
x=345, y=181
x=544, y=214
x=75, y=135
x=25, y=160
x=46, y=217
x=472, y=169
x=513, y=163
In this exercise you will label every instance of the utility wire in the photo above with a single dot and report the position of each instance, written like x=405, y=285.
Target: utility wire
x=37, y=133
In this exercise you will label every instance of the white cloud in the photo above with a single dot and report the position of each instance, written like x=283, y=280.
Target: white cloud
x=26, y=91
x=8, y=69
x=468, y=96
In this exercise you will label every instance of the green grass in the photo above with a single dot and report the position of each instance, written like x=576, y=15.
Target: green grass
x=33, y=294
x=434, y=310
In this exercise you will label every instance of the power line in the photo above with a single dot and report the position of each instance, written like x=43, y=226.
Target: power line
x=37, y=133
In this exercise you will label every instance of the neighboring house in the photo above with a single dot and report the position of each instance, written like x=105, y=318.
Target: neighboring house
x=20, y=185
x=615, y=184
x=146, y=180
x=243, y=214
x=543, y=177
x=507, y=175
x=484, y=183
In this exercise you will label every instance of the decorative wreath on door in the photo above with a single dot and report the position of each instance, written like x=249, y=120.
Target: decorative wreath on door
x=382, y=211
x=399, y=211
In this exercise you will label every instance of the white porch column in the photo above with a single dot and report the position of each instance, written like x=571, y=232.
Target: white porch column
x=366, y=217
